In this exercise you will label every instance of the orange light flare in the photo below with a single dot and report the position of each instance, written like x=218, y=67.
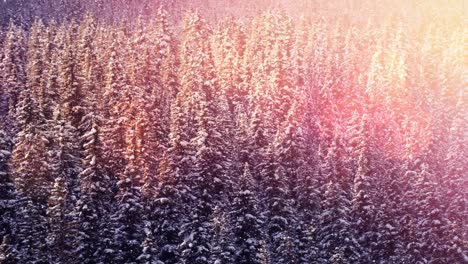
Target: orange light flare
x=416, y=73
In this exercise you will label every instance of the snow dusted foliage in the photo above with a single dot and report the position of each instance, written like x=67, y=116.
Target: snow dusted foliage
x=168, y=208
x=223, y=250
x=128, y=138
x=6, y=198
x=29, y=157
x=126, y=223
x=116, y=86
x=56, y=214
x=91, y=214
x=362, y=190
x=31, y=232
x=246, y=221
x=228, y=44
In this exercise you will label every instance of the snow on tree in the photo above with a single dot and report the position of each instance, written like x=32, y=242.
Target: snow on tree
x=246, y=220
x=126, y=222
x=258, y=140
x=65, y=167
x=335, y=222
x=172, y=189
x=13, y=67
x=7, y=198
x=31, y=231
x=208, y=182
x=28, y=163
x=228, y=48
x=148, y=250
x=56, y=215
x=455, y=181
x=362, y=202
x=261, y=139
x=116, y=99
x=69, y=89
x=37, y=63
x=279, y=209
x=223, y=250
x=94, y=203
x=168, y=208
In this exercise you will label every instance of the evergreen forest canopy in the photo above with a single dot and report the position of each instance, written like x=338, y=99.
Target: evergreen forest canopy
x=250, y=140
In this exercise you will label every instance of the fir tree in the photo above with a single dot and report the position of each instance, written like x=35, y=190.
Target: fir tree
x=222, y=250
x=13, y=67
x=30, y=170
x=246, y=221
x=127, y=223
x=92, y=210
x=172, y=190
x=31, y=231
x=70, y=90
x=363, y=207
x=113, y=105
x=37, y=64
x=56, y=215
x=7, y=199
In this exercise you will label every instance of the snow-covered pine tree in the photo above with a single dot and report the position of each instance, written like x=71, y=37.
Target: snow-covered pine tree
x=278, y=207
x=391, y=217
x=7, y=199
x=87, y=75
x=52, y=44
x=126, y=222
x=167, y=67
x=145, y=135
x=69, y=89
x=308, y=209
x=246, y=221
x=171, y=193
x=209, y=178
x=291, y=156
x=281, y=218
x=424, y=214
x=228, y=43
x=37, y=63
x=28, y=163
x=65, y=167
x=288, y=248
x=129, y=116
x=56, y=216
x=362, y=204
x=148, y=250
x=196, y=68
x=8, y=252
x=280, y=83
x=222, y=248
x=116, y=98
x=290, y=151
x=31, y=231
x=454, y=183
x=444, y=246
x=94, y=202
x=334, y=234
x=13, y=67
x=168, y=206
x=6, y=184
x=209, y=181
x=241, y=140
x=33, y=180
x=87, y=241
x=257, y=143
x=212, y=160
